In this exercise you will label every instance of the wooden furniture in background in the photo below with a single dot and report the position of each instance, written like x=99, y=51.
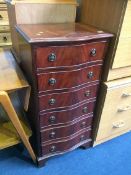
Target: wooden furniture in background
x=37, y=12
x=115, y=17
x=12, y=81
x=5, y=37
x=63, y=63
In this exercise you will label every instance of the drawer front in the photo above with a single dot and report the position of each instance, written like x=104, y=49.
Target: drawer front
x=116, y=113
x=68, y=144
x=65, y=116
x=5, y=39
x=69, y=55
x=3, y=15
x=68, y=79
x=126, y=26
x=123, y=53
x=66, y=130
x=63, y=99
x=4, y=28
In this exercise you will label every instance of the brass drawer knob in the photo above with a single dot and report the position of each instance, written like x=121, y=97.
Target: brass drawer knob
x=52, y=148
x=52, y=119
x=82, y=138
x=4, y=38
x=83, y=124
x=90, y=75
x=1, y=17
x=52, y=57
x=52, y=101
x=85, y=110
x=87, y=93
x=93, y=52
x=52, y=135
x=52, y=81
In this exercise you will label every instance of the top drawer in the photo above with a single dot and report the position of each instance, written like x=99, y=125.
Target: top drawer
x=63, y=56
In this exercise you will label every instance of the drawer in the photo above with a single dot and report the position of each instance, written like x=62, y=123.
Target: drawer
x=63, y=56
x=66, y=130
x=68, y=79
x=67, y=144
x=126, y=26
x=3, y=15
x=5, y=39
x=65, y=115
x=116, y=113
x=64, y=99
x=4, y=28
x=123, y=53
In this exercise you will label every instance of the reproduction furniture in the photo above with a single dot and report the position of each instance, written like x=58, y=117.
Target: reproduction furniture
x=115, y=17
x=63, y=63
x=37, y=12
x=5, y=37
x=13, y=126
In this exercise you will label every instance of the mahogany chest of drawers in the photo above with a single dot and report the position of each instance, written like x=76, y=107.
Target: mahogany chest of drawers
x=63, y=63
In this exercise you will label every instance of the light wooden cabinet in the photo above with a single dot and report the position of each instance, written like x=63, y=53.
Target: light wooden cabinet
x=113, y=16
x=115, y=114
x=114, y=108
x=5, y=38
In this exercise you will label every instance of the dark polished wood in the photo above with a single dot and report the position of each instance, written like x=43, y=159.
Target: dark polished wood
x=66, y=144
x=56, y=132
x=68, y=79
x=65, y=115
x=69, y=32
x=63, y=64
x=63, y=56
x=63, y=99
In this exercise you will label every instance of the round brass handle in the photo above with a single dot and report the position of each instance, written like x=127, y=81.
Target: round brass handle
x=87, y=93
x=93, y=52
x=4, y=38
x=52, y=57
x=53, y=148
x=52, y=135
x=52, y=101
x=52, y=119
x=52, y=81
x=85, y=110
x=1, y=17
x=83, y=124
x=90, y=75
x=82, y=138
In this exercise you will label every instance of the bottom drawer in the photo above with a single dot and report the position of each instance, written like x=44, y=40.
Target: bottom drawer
x=5, y=39
x=66, y=145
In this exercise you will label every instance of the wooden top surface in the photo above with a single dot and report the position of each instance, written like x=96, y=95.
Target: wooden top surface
x=37, y=33
x=71, y=2
x=11, y=77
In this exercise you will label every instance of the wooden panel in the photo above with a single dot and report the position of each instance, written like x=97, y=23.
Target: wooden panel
x=65, y=115
x=116, y=114
x=70, y=55
x=118, y=73
x=123, y=53
x=67, y=144
x=52, y=134
x=67, y=79
x=64, y=99
x=126, y=27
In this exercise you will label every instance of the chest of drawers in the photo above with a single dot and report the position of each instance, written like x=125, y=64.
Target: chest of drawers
x=5, y=37
x=63, y=63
